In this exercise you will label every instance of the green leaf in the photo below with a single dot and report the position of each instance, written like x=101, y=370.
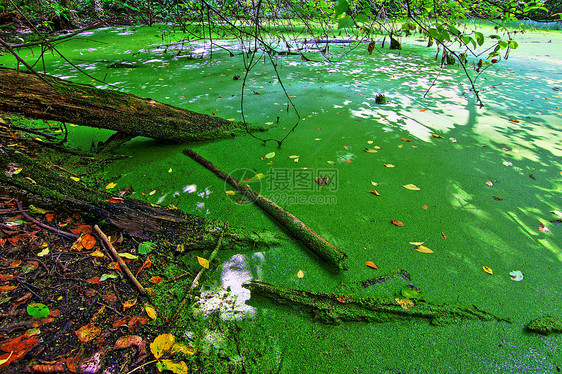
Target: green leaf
x=341, y=7
x=361, y=18
x=513, y=44
x=502, y=44
x=146, y=247
x=38, y=310
x=495, y=37
x=468, y=39
x=479, y=37
x=434, y=33
x=345, y=22
x=173, y=366
x=105, y=277
x=33, y=209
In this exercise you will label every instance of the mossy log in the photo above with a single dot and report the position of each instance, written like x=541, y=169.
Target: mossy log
x=335, y=308
x=81, y=104
x=317, y=244
x=44, y=184
x=545, y=325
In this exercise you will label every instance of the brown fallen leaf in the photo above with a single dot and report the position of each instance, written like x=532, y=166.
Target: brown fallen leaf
x=374, y=192
x=406, y=139
x=323, y=181
x=397, y=223
x=87, y=333
x=497, y=198
x=443, y=235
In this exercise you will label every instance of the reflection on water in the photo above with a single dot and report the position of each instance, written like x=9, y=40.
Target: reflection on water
x=229, y=299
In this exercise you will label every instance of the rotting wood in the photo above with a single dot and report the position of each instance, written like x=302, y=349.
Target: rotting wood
x=56, y=99
x=317, y=244
x=336, y=308
x=43, y=185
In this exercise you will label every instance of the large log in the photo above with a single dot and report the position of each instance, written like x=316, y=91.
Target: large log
x=317, y=244
x=44, y=184
x=81, y=104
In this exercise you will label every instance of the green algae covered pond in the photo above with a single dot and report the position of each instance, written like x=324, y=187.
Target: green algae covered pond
x=486, y=180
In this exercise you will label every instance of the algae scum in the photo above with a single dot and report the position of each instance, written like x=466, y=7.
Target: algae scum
x=485, y=182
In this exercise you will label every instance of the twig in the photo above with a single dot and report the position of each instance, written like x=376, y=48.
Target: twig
x=120, y=261
x=197, y=277
x=47, y=227
x=143, y=365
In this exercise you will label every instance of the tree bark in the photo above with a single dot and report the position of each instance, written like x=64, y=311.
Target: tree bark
x=61, y=100
x=45, y=185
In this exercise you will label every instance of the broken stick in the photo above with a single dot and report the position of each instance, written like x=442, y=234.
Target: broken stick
x=120, y=261
x=317, y=244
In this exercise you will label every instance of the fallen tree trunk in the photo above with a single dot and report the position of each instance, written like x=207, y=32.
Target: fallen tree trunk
x=38, y=183
x=317, y=244
x=335, y=308
x=81, y=104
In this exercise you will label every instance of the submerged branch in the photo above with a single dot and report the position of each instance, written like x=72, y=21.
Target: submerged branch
x=334, y=308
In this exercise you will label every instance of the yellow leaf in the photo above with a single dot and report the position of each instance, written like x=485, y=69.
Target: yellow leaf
x=269, y=123
x=370, y=142
x=371, y=264
x=437, y=136
x=76, y=179
x=187, y=349
x=203, y=262
x=412, y=187
x=3, y=361
x=417, y=243
x=230, y=192
x=97, y=253
x=374, y=183
x=45, y=250
x=110, y=186
x=370, y=150
x=390, y=165
x=128, y=256
x=170, y=170
x=270, y=155
x=150, y=311
x=405, y=303
x=231, y=119
x=423, y=249
x=294, y=156
x=258, y=177
x=173, y=366
x=374, y=192
x=488, y=270
x=152, y=192
x=300, y=274
x=162, y=343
